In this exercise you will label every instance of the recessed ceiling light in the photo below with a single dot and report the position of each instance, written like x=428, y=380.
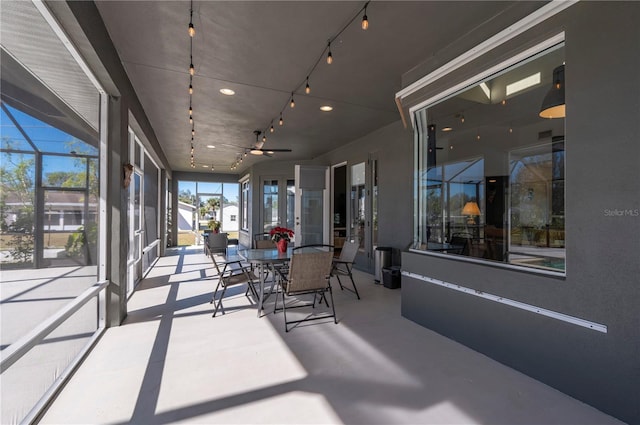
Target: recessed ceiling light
x=326, y=108
x=447, y=128
x=211, y=146
x=227, y=92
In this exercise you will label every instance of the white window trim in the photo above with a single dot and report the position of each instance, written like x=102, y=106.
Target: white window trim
x=545, y=12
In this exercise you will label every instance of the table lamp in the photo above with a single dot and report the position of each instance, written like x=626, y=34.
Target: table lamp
x=471, y=209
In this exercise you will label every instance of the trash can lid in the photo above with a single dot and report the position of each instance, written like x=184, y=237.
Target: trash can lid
x=383, y=248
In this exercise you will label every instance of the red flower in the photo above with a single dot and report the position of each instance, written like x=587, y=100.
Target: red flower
x=278, y=233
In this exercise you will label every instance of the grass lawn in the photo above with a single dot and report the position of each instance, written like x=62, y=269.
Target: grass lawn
x=51, y=240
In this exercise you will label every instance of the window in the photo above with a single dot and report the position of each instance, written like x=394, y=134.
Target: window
x=270, y=204
x=245, y=205
x=490, y=169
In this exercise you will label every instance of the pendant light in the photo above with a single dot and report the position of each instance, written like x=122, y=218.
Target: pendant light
x=307, y=89
x=553, y=105
x=293, y=103
x=329, y=56
x=192, y=30
x=365, y=21
x=281, y=122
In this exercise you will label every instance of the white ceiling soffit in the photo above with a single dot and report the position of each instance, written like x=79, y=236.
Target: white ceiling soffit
x=27, y=36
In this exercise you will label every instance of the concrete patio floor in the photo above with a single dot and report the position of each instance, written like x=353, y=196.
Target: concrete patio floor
x=171, y=362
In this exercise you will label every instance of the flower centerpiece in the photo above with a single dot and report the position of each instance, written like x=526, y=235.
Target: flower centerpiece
x=281, y=236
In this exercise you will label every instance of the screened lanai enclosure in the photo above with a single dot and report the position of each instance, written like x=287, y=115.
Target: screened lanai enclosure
x=50, y=194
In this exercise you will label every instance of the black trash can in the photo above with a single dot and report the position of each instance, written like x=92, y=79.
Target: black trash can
x=391, y=277
x=382, y=259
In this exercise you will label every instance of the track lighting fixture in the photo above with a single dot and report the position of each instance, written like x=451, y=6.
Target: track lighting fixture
x=307, y=89
x=329, y=56
x=365, y=20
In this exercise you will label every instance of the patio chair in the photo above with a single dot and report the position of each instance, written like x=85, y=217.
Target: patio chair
x=232, y=273
x=216, y=242
x=343, y=266
x=263, y=241
x=308, y=273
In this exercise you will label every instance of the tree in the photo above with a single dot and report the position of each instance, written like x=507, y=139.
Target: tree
x=187, y=197
x=17, y=199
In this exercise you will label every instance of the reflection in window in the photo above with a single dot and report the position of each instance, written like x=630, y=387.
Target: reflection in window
x=358, y=198
x=490, y=170
x=291, y=203
x=270, y=204
x=245, y=205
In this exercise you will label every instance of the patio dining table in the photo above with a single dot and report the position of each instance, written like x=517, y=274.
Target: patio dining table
x=263, y=259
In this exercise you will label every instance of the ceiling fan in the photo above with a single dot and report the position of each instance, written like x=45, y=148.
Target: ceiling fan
x=257, y=148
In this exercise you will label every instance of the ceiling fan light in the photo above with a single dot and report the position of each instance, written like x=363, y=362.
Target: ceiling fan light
x=256, y=152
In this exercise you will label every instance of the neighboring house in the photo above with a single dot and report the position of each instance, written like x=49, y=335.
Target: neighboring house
x=230, y=218
x=186, y=216
x=64, y=211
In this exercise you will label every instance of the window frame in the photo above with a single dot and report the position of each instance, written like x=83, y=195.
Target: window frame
x=420, y=146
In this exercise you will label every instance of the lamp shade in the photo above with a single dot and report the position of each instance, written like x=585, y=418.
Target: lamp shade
x=471, y=208
x=553, y=105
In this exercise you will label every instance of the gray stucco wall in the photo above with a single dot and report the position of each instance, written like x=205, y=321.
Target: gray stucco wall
x=602, y=281
x=393, y=147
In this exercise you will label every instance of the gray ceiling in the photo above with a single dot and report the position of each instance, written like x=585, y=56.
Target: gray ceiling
x=264, y=50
